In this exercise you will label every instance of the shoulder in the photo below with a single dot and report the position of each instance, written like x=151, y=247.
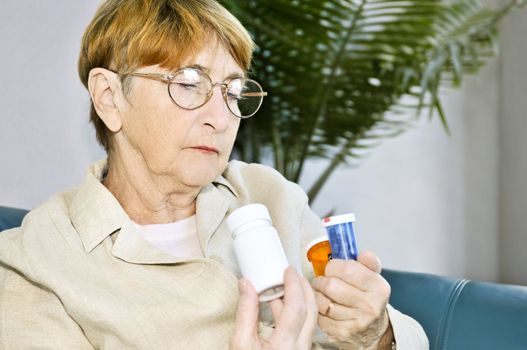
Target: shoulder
x=49, y=216
x=41, y=231
x=261, y=182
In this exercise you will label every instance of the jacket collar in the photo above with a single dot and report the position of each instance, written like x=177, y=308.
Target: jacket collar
x=94, y=211
x=96, y=214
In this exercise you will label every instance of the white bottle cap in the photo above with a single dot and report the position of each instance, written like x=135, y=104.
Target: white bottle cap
x=315, y=241
x=338, y=219
x=247, y=214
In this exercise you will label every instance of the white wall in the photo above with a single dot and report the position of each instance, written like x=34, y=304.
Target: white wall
x=45, y=139
x=425, y=201
x=513, y=151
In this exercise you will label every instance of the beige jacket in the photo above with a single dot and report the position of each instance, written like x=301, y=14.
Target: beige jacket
x=78, y=275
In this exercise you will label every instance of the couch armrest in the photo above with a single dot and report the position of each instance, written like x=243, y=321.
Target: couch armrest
x=11, y=217
x=459, y=314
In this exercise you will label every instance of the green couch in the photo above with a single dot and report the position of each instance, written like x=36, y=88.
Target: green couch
x=456, y=314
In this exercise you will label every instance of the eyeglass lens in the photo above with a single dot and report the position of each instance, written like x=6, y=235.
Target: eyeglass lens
x=191, y=88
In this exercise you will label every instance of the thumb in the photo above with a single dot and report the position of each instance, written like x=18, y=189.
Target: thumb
x=246, y=326
x=370, y=260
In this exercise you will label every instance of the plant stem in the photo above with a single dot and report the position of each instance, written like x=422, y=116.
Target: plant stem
x=335, y=162
x=278, y=148
x=326, y=90
x=256, y=146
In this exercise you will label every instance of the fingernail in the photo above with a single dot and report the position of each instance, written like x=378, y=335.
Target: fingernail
x=379, y=265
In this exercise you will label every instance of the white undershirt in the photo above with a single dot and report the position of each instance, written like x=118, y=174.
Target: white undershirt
x=178, y=238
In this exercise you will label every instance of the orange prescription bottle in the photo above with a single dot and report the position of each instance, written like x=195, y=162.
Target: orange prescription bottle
x=319, y=253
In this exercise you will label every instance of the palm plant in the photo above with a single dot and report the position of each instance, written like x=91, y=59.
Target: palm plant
x=343, y=74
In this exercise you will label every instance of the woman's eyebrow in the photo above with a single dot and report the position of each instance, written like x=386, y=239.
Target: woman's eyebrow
x=234, y=75
x=199, y=67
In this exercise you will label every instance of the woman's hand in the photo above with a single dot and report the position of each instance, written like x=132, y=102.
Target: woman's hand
x=352, y=299
x=295, y=317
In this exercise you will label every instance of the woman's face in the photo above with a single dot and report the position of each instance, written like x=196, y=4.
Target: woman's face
x=191, y=147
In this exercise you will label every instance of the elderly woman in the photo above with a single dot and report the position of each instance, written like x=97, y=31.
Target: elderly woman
x=139, y=256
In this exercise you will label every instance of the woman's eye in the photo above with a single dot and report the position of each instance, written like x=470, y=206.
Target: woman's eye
x=233, y=96
x=188, y=86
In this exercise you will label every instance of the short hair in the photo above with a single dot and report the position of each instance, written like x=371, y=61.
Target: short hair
x=128, y=34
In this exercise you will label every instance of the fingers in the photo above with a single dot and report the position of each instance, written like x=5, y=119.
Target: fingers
x=312, y=310
x=355, y=273
x=336, y=290
x=345, y=330
x=365, y=328
x=352, y=286
x=371, y=261
x=276, y=307
x=358, y=295
x=310, y=322
x=295, y=316
x=332, y=309
x=290, y=320
x=347, y=294
x=245, y=331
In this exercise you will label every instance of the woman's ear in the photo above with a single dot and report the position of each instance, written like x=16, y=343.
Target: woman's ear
x=104, y=87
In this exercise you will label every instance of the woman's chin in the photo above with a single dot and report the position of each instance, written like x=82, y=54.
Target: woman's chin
x=201, y=176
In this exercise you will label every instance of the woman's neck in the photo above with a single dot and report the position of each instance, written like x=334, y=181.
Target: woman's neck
x=148, y=198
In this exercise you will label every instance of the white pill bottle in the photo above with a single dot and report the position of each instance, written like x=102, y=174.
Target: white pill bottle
x=258, y=249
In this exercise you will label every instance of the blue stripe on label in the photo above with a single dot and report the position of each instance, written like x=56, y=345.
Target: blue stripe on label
x=342, y=241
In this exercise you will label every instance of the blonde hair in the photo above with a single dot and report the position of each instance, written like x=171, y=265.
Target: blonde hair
x=127, y=34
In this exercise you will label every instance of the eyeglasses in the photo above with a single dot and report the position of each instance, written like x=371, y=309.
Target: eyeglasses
x=191, y=88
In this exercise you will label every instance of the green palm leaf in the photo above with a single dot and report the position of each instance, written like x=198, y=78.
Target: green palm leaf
x=340, y=73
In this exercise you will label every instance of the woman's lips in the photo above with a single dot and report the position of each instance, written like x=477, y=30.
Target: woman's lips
x=206, y=149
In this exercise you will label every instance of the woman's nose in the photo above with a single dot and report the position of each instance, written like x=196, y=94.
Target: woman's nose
x=216, y=112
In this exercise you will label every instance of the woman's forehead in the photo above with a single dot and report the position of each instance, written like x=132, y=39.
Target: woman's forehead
x=216, y=61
